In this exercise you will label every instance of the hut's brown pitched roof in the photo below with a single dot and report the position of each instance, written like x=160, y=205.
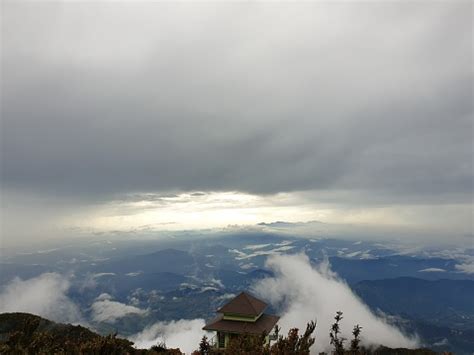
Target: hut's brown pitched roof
x=263, y=325
x=244, y=304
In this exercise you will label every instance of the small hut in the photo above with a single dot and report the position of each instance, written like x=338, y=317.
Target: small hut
x=244, y=314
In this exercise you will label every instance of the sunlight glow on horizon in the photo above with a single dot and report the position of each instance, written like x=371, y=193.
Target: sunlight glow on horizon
x=208, y=210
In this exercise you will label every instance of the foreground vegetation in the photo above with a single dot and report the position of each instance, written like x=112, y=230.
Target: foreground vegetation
x=22, y=333
x=297, y=344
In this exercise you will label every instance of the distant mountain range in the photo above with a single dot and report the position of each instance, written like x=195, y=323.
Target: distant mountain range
x=440, y=311
x=355, y=270
x=189, y=277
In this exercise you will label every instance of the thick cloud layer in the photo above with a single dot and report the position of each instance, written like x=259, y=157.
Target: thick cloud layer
x=113, y=98
x=304, y=293
x=184, y=334
x=353, y=104
x=44, y=295
x=105, y=309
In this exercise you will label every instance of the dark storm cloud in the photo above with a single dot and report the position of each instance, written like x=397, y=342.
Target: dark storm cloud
x=103, y=99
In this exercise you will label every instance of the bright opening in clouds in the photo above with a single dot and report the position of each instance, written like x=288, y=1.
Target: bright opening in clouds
x=204, y=210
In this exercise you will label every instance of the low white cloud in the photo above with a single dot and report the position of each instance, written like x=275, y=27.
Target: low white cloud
x=432, y=269
x=442, y=342
x=44, y=295
x=247, y=266
x=225, y=297
x=216, y=282
x=282, y=247
x=466, y=268
x=102, y=274
x=303, y=293
x=184, y=334
x=103, y=297
x=257, y=246
x=133, y=274
x=104, y=309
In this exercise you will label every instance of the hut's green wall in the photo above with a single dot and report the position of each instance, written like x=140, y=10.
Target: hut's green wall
x=227, y=339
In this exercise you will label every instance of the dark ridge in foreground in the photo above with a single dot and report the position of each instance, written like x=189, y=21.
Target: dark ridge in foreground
x=23, y=333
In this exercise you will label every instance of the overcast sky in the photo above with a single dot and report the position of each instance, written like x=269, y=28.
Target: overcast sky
x=345, y=112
